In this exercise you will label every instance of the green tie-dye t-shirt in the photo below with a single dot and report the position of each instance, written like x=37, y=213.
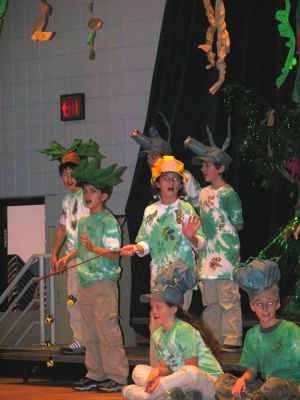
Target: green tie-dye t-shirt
x=220, y=211
x=182, y=342
x=72, y=209
x=161, y=235
x=274, y=354
x=103, y=230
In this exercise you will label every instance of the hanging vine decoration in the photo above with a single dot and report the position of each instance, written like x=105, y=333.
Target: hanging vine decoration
x=217, y=23
x=3, y=8
x=210, y=33
x=94, y=24
x=38, y=26
x=285, y=30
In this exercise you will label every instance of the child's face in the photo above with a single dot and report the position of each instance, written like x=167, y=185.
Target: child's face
x=94, y=198
x=169, y=185
x=68, y=180
x=265, y=309
x=210, y=172
x=163, y=314
x=152, y=157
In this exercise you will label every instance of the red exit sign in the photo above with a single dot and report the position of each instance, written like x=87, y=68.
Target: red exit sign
x=72, y=106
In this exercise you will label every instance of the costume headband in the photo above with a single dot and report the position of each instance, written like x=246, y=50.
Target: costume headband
x=92, y=173
x=153, y=142
x=82, y=150
x=210, y=153
x=167, y=164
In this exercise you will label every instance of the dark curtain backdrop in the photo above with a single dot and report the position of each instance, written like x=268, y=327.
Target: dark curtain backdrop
x=180, y=90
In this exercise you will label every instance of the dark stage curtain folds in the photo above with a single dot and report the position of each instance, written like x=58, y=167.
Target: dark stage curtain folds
x=180, y=91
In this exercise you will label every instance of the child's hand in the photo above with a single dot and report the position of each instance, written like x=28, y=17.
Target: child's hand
x=129, y=250
x=190, y=228
x=62, y=263
x=85, y=241
x=238, y=388
x=152, y=381
x=53, y=263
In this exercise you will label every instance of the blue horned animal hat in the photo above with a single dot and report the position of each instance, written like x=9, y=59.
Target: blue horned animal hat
x=210, y=153
x=153, y=142
x=258, y=277
x=171, y=285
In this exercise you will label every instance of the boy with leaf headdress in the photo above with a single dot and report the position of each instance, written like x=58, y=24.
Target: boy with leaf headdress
x=97, y=249
x=73, y=208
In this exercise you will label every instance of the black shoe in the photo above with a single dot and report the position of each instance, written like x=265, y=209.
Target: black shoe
x=86, y=384
x=110, y=386
x=73, y=348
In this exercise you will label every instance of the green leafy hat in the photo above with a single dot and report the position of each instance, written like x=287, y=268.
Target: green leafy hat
x=77, y=151
x=92, y=173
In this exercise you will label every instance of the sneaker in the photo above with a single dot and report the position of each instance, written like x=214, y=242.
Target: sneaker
x=86, y=384
x=109, y=386
x=73, y=348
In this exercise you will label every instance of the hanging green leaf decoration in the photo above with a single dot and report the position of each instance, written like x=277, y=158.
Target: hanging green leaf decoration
x=286, y=31
x=3, y=8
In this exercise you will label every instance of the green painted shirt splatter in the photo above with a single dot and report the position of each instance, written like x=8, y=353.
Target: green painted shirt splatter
x=220, y=211
x=103, y=230
x=274, y=354
x=182, y=342
x=161, y=235
x=72, y=209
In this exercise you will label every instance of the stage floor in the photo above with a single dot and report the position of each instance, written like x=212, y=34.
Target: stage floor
x=41, y=389
x=29, y=358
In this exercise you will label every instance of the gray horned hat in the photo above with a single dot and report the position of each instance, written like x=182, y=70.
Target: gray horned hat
x=210, y=153
x=171, y=285
x=258, y=277
x=153, y=142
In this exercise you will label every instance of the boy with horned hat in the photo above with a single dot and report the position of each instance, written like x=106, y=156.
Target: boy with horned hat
x=97, y=249
x=72, y=209
x=272, y=347
x=154, y=147
x=221, y=215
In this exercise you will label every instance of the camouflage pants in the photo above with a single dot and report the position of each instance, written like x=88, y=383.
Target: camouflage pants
x=272, y=389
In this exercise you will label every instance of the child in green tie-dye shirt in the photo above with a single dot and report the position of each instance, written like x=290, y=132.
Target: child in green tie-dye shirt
x=97, y=252
x=181, y=343
x=221, y=216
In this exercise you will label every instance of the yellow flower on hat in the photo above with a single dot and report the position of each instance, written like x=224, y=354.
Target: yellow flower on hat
x=167, y=164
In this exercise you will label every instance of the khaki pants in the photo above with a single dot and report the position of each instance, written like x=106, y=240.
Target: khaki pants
x=74, y=310
x=188, y=296
x=187, y=377
x=222, y=313
x=272, y=389
x=105, y=357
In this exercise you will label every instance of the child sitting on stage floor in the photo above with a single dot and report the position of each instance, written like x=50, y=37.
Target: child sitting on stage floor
x=99, y=234
x=185, y=361
x=272, y=347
